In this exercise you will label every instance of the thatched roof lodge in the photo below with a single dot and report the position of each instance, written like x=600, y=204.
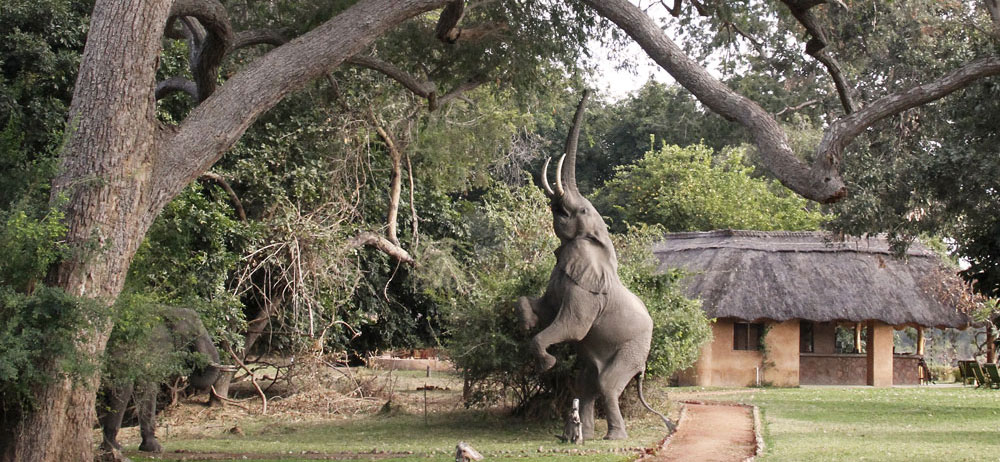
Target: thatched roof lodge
x=801, y=308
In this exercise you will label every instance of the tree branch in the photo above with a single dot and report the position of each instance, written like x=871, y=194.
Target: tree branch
x=821, y=182
x=221, y=181
x=207, y=54
x=993, y=7
x=816, y=47
x=461, y=89
x=249, y=38
x=173, y=85
x=796, y=107
x=420, y=88
x=395, y=186
x=371, y=239
x=447, y=29
x=215, y=124
x=844, y=130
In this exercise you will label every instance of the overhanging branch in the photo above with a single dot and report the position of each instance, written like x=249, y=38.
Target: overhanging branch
x=844, y=130
x=820, y=182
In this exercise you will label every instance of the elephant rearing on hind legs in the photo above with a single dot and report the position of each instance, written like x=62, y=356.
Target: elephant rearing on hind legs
x=585, y=302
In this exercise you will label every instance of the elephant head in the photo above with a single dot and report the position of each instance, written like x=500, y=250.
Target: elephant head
x=189, y=334
x=575, y=219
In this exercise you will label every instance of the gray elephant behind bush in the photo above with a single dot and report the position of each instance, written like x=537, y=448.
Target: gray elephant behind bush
x=174, y=343
x=586, y=304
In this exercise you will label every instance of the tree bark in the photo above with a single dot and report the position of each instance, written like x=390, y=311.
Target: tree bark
x=120, y=167
x=105, y=174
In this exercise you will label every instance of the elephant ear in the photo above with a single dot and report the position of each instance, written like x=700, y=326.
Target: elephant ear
x=590, y=263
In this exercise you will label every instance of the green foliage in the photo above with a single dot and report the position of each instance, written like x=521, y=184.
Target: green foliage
x=679, y=324
x=35, y=330
x=694, y=189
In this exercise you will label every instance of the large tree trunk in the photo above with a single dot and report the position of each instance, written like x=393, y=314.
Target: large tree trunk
x=120, y=167
x=106, y=177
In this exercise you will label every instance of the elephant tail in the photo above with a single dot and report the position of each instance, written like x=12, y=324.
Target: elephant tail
x=670, y=425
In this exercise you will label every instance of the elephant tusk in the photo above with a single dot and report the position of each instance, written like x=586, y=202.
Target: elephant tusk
x=559, y=186
x=545, y=178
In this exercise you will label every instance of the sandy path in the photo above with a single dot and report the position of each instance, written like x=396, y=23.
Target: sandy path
x=712, y=433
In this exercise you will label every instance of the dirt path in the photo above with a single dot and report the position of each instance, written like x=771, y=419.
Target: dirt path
x=712, y=433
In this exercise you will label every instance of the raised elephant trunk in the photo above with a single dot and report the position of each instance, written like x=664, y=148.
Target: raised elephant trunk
x=566, y=168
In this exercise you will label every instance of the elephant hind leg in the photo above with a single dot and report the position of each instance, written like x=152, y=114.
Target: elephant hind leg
x=612, y=382
x=117, y=397
x=145, y=405
x=586, y=385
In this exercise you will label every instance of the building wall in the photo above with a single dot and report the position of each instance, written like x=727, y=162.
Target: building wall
x=852, y=369
x=721, y=366
x=781, y=365
x=879, y=352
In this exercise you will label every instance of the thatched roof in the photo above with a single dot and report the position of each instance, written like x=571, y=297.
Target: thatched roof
x=782, y=275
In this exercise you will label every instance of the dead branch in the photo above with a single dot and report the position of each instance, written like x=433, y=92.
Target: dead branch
x=796, y=107
x=218, y=179
x=253, y=379
x=216, y=395
x=371, y=239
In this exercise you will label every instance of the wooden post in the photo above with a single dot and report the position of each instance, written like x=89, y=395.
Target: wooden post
x=920, y=340
x=991, y=349
x=857, y=337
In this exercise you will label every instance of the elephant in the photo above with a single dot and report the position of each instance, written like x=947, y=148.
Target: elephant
x=181, y=331
x=586, y=303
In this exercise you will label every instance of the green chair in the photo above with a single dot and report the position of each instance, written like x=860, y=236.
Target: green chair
x=980, y=376
x=965, y=373
x=993, y=373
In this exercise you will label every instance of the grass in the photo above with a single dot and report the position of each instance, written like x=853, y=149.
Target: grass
x=889, y=424
x=403, y=434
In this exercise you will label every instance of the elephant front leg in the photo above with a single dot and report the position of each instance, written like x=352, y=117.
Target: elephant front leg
x=526, y=312
x=145, y=405
x=111, y=422
x=572, y=322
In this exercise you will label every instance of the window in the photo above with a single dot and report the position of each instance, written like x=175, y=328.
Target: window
x=846, y=339
x=746, y=336
x=806, y=344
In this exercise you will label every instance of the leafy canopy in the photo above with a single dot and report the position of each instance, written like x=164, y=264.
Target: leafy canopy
x=695, y=189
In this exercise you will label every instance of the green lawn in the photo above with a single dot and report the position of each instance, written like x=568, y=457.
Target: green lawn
x=495, y=436
x=404, y=435
x=818, y=424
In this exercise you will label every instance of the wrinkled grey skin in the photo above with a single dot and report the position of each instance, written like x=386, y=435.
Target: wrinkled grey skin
x=182, y=330
x=585, y=302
